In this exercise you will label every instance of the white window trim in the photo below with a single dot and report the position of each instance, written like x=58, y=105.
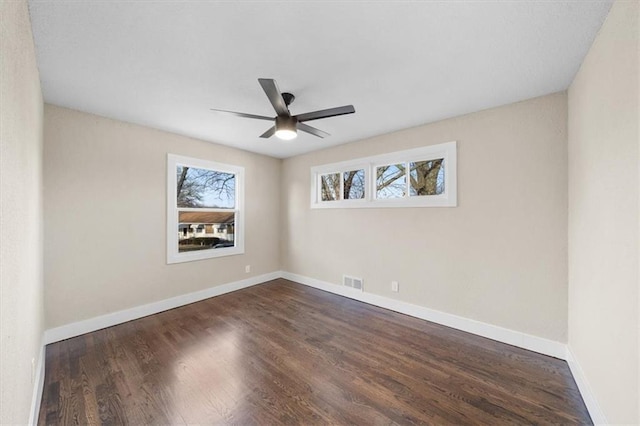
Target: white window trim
x=449, y=198
x=339, y=168
x=173, y=256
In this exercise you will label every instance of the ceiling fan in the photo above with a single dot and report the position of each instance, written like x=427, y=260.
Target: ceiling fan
x=286, y=126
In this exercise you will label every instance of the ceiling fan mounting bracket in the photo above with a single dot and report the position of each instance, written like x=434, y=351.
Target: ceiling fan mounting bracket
x=288, y=98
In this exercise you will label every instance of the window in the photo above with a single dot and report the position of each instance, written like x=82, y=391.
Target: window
x=391, y=181
x=348, y=185
x=330, y=186
x=204, y=209
x=422, y=177
x=426, y=177
x=353, y=184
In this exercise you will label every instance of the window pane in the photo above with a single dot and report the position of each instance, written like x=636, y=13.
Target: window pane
x=353, y=183
x=391, y=181
x=427, y=177
x=330, y=186
x=205, y=188
x=205, y=230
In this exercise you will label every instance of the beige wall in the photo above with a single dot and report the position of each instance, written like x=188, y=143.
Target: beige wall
x=105, y=216
x=604, y=215
x=499, y=257
x=21, y=310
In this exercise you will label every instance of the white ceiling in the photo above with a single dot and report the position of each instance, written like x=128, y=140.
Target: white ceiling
x=400, y=63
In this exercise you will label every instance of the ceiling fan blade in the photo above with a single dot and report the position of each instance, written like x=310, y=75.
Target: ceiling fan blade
x=269, y=133
x=312, y=130
x=242, y=114
x=325, y=113
x=275, y=97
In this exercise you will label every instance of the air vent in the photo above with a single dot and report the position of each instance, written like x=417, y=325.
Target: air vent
x=353, y=282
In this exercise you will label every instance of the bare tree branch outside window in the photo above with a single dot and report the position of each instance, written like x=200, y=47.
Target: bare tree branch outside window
x=391, y=181
x=205, y=188
x=330, y=186
x=427, y=177
x=353, y=184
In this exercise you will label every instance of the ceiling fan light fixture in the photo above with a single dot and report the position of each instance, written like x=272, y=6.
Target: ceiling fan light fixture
x=286, y=134
x=286, y=128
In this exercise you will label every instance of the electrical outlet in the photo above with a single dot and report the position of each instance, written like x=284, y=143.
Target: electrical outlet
x=394, y=286
x=247, y=269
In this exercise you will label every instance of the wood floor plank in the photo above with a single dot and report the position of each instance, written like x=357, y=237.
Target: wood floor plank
x=283, y=353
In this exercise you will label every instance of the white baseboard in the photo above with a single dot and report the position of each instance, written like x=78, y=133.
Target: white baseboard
x=38, y=385
x=500, y=334
x=595, y=411
x=92, y=324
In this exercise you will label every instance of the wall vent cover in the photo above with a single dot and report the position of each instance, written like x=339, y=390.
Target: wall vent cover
x=353, y=282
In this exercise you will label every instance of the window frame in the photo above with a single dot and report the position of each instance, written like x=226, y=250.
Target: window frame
x=340, y=169
x=173, y=255
x=446, y=151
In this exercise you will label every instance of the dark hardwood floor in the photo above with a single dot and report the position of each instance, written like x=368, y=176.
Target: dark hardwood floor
x=284, y=353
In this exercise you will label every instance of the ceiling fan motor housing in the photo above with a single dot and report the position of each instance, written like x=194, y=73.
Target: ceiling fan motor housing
x=286, y=123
